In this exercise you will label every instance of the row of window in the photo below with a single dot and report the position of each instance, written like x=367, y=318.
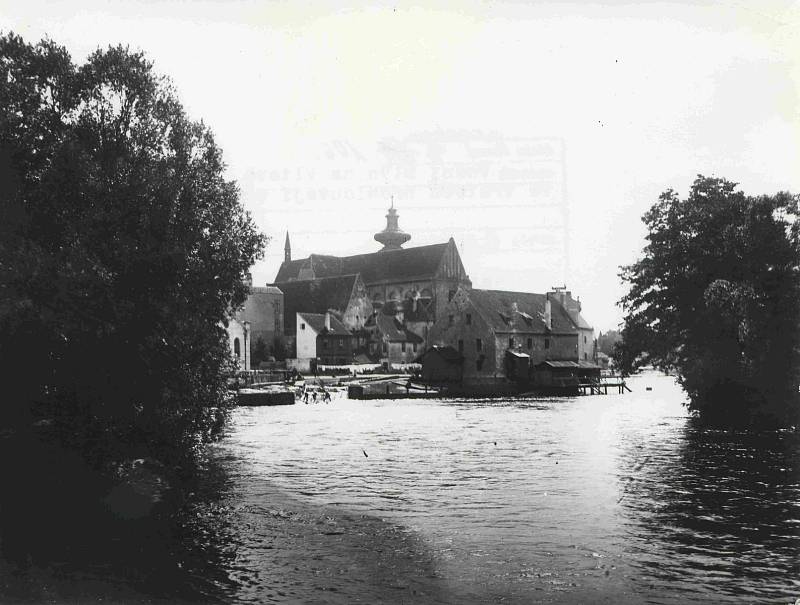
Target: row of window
x=339, y=343
x=479, y=344
x=511, y=343
x=528, y=343
x=467, y=319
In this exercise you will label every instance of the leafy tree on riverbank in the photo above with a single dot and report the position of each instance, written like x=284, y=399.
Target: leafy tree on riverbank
x=716, y=297
x=122, y=251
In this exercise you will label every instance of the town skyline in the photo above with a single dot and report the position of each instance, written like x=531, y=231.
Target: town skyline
x=324, y=113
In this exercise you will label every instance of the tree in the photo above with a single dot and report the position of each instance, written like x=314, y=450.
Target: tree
x=260, y=352
x=279, y=349
x=122, y=252
x=607, y=340
x=716, y=297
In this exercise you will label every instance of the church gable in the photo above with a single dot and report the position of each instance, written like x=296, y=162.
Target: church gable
x=450, y=265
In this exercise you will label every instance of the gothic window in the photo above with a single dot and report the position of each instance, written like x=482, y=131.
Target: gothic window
x=546, y=343
x=460, y=346
x=530, y=343
x=478, y=345
x=510, y=342
x=469, y=319
x=237, y=350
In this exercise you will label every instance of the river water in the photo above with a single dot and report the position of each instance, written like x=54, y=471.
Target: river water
x=603, y=499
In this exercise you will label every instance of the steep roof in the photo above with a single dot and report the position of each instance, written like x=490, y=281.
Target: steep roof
x=521, y=311
x=317, y=322
x=393, y=330
x=387, y=265
x=315, y=296
x=447, y=353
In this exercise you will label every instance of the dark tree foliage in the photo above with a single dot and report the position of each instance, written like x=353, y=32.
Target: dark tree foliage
x=716, y=298
x=123, y=249
x=260, y=352
x=607, y=340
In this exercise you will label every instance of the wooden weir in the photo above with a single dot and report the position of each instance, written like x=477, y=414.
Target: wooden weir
x=600, y=386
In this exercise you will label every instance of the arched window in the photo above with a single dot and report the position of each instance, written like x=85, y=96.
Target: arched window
x=237, y=350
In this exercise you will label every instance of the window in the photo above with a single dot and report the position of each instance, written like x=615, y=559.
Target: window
x=451, y=319
x=510, y=342
x=479, y=363
x=469, y=319
x=403, y=347
x=302, y=326
x=414, y=347
x=460, y=346
x=236, y=347
x=341, y=343
x=584, y=340
x=530, y=343
x=586, y=356
x=325, y=343
x=546, y=343
x=478, y=345
x=450, y=295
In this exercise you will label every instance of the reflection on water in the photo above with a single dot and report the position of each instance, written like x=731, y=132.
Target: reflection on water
x=720, y=509
x=610, y=499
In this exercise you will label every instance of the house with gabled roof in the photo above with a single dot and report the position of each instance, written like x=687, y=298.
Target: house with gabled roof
x=500, y=333
x=321, y=337
x=345, y=296
x=391, y=342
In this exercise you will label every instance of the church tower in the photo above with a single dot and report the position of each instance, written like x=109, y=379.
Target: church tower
x=392, y=237
x=287, y=249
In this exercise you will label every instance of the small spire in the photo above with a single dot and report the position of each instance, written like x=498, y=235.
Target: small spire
x=287, y=249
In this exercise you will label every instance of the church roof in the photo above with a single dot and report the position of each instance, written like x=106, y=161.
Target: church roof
x=386, y=265
x=315, y=296
x=523, y=312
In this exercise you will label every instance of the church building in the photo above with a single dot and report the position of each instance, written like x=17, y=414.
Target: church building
x=429, y=275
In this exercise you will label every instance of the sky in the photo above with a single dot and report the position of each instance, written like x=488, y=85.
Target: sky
x=534, y=134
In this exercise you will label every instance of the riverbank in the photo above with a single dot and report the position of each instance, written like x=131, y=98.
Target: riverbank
x=73, y=535
x=281, y=549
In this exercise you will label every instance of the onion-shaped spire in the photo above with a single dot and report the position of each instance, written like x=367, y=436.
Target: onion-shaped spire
x=392, y=237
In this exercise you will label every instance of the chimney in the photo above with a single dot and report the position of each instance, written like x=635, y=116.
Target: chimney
x=327, y=321
x=548, y=313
